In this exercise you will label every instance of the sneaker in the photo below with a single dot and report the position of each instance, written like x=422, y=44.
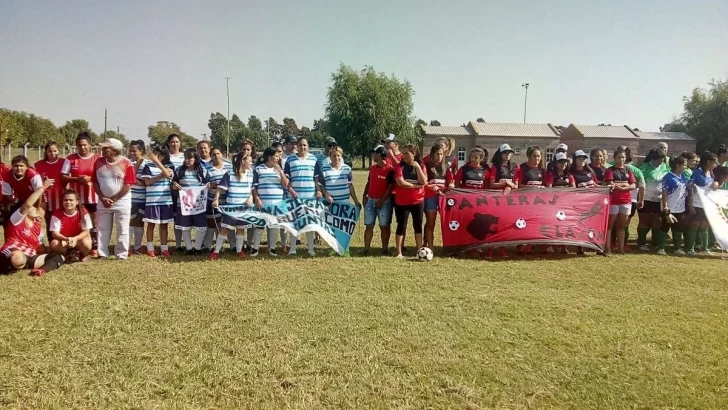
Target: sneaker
x=37, y=272
x=242, y=254
x=196, y=252
x=131, y=252
x=273, y=254
x=607, y=253
x=692, y=253
x=190, y=252
x=204, y=249
x=254, y=253
x=679, y=252
x=292, y=252
x=708, y=252
x=179, y=249
x=165, y=254
x=214, y=256
x=645, y=248
x=661, y=252
x=313, y=254
x=384, y=252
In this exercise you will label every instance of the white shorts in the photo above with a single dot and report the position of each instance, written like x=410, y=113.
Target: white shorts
x=625, y=209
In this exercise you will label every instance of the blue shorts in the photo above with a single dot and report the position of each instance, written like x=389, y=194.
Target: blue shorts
x=158, y=214
x=228, y=222
x=137, y=210
x=432, y=203
x=384, y=214
x=188, y=222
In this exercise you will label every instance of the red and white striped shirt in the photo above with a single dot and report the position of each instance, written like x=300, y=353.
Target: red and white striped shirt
x=77, y=166
x=21, y=236
x=70, y=225
x=52, y=170
x=21, y=189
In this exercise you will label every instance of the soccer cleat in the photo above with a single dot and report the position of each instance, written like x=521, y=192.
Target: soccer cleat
x=312, y=254
x=37, y=272
x=130, y=252
x=692, y=253
x=214, y=256
x=708, y=252
x=384, y=252
x=151, y=253
x=292, y=252
x=661, y=252
x=365, y=253
x=143, y=249
x=679, y=252
x=254, y=253
x=273, y=254
x=645, y=248
x=242, y=254
x=166, y=254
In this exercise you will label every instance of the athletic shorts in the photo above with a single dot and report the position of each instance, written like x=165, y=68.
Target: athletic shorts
x=432, y=203
x=620, y=209
x=211, y=212
x=158, y=214
x=90, y=208
x=228, y=222
x=137, y=210
x=650, y=207
x=633, y=210
x=699, y=215
x=383, y=214
x=188, y=222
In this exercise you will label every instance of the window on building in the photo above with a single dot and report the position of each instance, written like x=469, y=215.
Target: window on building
x=549, y=154
x=517, y=151
x=461, y=155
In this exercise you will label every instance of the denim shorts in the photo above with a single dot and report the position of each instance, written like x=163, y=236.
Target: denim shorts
x=384, y=214
x=432, y=203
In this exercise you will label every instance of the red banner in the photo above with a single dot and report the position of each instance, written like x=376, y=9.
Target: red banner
x=554, y=216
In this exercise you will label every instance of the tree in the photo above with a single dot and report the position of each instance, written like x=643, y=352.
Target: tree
x=419, y=131
x=113, y=134
x=12, y=128
x=159, y=132
x=319, y=132
x=364, y=106
x=705, y=116
x=254, y=123
x=290, y=128
x=435, y=123
x=70, y=130
x=273, y=129
x=480, y=120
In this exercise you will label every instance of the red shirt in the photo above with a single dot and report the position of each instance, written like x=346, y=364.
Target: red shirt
x=452, y=162
x=441, y=179
x=77, y=166
x=614, y=174
x=379, y=180
x=47, y=170
x=409, y=196
x=395, y=165
x=21, y=189
x=70, y=225
x=19, y=235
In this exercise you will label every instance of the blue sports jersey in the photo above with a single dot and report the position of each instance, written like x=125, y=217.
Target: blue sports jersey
x=178, y=160
x=216, y=176
x=337, y=181
x=677, y=192
x=189, y=178
x=701, y=181
x=237, y=189
x=139, y=188
x=303, y=173
x=267, y=182
x=160, y=192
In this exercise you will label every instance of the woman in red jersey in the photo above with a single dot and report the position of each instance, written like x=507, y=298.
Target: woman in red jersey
x=597, y=164
x=77, y=172
x=410, y=179
x=622, y=182
x=584, y=177
x=473, y=175
x=530, y=175
x=559, y=177
x=50, y=167
x=21, y=238
x=20, y=181
x=377, y=200
x=439, y=179
x=70, y=227
x=503, y=175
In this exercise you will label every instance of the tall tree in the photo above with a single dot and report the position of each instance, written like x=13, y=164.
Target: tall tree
x=71, y=129
x=112, y=134
x=13, y=130
x=435, y=123
x=254, y=123
x=419, y=131
x=273, y=129
x=290, y=128
x=159, y=132
x=364, y=106
x=319, y=132
x=705, y=116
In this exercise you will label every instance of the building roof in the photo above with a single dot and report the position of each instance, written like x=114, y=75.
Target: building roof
x=445, y=130
x=503, y=129
x=664, y=136
x=604, y=131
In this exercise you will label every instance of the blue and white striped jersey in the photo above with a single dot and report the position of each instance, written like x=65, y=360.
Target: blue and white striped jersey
x=216, y=176
x=238, y=189
x=303, y=173
x=337, y=181
x=139, y=189
x=178, y=160
x=189, y=178
x=267, y=182
x=160, y=192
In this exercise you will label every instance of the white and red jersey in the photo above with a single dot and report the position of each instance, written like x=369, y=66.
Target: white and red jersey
x=21, y=188
x=112, y=177
x=70, y=225
x=78, y=166
x=52, y=170
x=21, y=235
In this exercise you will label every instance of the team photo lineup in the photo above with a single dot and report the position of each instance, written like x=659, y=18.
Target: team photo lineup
x=139, y=194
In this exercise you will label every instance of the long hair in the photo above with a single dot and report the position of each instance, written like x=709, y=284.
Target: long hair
x=593, y=153
x=161, y=153
x=627, y=152
x=197, y=168
x=720, y=173
x=169, y=138
x=572, y=168
x=45, y=149
x=238, y=160
x=269, y=152
x=413, y=149
x=531, y=150
x=722, y=150
x=655, y=153
x=139, y=144
x=497, y=159
x=441, y=168
x=705, y=158
x=675, y=161
x=253, y=152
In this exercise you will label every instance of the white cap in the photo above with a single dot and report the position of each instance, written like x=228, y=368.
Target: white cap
x=560, y=156
x=113, y=143
x=580, y=153
x=562, y=146
x=504, y=148
x=390, y=138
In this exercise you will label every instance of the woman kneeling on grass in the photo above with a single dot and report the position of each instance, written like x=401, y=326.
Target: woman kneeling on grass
x=236, y=188
x=21, y=238
x=439, y=179
x=269, y=182
x=191, y=174
x=158, y=209
x=410, y=179
x=70, y=228
x=622, y=182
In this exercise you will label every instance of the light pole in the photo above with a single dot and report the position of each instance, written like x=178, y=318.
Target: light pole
x=227, y=145
x=525, y=101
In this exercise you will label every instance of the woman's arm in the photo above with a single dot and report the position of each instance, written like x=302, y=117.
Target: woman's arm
x=421, y=177
x=664, y=199
x=35, y=196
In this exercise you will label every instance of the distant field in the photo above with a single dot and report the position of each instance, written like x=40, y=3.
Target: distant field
x=638, y=331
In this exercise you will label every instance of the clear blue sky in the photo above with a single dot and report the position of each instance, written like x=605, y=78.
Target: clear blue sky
x=619, y=62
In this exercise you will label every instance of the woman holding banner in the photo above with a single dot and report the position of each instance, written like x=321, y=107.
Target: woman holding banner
x=269, y=182
x=337, y=180
x=410, y=179
x=503, y=175
x=702, y=179
x=598, y=160
x=473, y=175
x=559, y=177
x=530, y=175
x=192, y=174
x=235, y=188
x=303, y=170
x=439, y=179
x=217, y=168
x=622, y=182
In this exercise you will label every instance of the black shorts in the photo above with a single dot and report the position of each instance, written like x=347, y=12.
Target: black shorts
x=699, y=215
x=7, y=268
x=651, y=207
x=91, y=208
x=633, y=210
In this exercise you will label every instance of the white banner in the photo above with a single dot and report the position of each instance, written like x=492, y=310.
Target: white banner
x=193, y=200
x=715, y=205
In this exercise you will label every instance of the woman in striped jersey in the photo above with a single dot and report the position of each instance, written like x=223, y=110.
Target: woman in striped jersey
x=50, y=168
x=190, y=174
x=217, y=168
x=176, y=158
x=337, y=179
x=235, y=189
x=249, y=148
x=138, y=196
x=158, y=210
x=439, y=178
x=269, y=182
x=302, y=170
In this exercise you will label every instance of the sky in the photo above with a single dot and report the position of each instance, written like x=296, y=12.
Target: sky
x=587, y=62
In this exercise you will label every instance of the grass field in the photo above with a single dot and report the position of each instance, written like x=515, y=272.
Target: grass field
x=638, y=331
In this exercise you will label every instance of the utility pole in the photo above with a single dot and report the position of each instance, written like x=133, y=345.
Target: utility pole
x=105, y=118
x=525, y=101
x=117, y=131
x=227, y=145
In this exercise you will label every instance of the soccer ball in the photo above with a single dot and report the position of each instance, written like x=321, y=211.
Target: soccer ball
x=561, y=215
x=424, y=254
x=591, y=233
x=520, y=223
x=454, y=225
x=450, y=202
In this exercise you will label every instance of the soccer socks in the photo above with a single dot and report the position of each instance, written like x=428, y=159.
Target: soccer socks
x=677, y=238
x=94, y=239
x=711, y=239
x=150, y=246
x=660, y=239
x=138, y=232
x=642, y=236
x=219, y=243
x=178, y=236
x=309, y=242
x=703, y=234
x=239, y=242
x=272, y=237
x=690, y=236
x=52, y=261
x=187, y=237
x=256, y=238
x=626, y=235
x=199, y=239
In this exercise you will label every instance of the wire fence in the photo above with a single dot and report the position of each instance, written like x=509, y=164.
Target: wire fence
x=35, y=153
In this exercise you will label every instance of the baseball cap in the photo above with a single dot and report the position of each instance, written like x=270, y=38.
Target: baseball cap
x=560, y=156
x=505, y=147
x=379, y=149
x=330, y=141
x=562, y=146
x=290, y=140
x=390, y=138
x=580, y=153
x=112, y=143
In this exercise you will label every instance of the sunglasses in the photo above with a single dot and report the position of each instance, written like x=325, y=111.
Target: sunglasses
x=332, y=145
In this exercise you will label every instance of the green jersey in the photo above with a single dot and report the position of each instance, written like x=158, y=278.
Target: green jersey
x=653, y=176
x=725, y=185
x=688, y=173
x=640, y=180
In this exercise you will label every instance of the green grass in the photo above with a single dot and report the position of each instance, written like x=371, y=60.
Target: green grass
x=638, y=331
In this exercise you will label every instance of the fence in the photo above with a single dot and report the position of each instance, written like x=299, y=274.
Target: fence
x=35, y=153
